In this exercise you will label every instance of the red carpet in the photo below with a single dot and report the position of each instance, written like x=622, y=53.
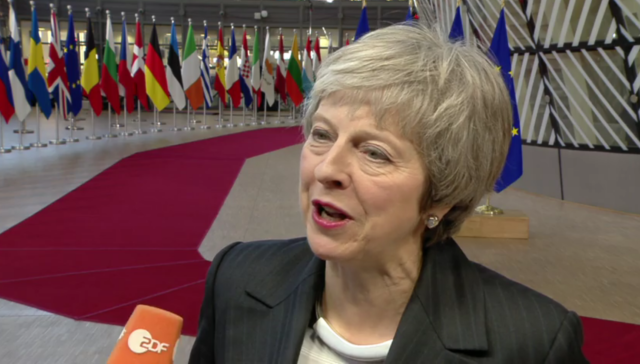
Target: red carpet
x=130, y=236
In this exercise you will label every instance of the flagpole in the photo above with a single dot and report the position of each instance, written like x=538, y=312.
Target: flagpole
x=3, y=150
x=140, y=131
x=175, y=126
x=125, y=133
x=37, y=144
x=156, y=115
x=189, y=127
x=93, y=135
x=219, y=112
x=57, y=140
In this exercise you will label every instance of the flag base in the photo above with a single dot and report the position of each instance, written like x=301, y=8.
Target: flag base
x=109, y=136
x=193, y=121
x=125, y=134
x=140, y=131
x=205, y=127
x=93, y=137
x=57, y=142
x=5, y=150
x=176, y=129
x=71, y=140
x=188, y=128
x=20, y=147
x=117, y=126
x=489, y=210
x=39, y=145
x=23, y=131
x=74, y=128
x=158, y=123
x=265, y=123
x=156, y=130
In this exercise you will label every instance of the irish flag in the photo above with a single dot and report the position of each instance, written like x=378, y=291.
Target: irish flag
x=191, y=72
x=294, y=75
x=109, y=81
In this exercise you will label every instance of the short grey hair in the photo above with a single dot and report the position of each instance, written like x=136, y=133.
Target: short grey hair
x=448, y=98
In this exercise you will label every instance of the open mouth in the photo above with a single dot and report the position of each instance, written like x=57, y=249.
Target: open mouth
x=329, y=213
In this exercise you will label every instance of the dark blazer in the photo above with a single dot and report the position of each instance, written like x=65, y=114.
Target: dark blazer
x=260, y=298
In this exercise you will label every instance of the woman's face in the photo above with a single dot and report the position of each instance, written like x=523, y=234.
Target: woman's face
x=360, y=186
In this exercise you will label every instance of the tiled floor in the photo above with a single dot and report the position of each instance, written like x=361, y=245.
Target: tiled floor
x=584, y=257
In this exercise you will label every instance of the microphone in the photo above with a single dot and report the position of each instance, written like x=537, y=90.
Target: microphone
x=150, y=336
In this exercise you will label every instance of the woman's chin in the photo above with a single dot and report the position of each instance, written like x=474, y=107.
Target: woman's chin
x=327, y=248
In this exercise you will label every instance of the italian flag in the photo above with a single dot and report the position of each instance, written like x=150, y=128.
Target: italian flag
x=294, y=75
x=109, y=81
x=255, y=68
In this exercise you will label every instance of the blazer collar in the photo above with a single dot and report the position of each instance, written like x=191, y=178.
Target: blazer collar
x=449, y=292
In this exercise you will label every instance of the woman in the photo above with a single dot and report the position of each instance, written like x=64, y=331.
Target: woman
x=406, y=132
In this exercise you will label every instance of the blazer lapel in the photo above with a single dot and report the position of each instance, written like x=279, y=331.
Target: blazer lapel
x=445, y=315
x=287, y=298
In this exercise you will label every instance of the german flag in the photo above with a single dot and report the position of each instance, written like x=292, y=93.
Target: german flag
x=90, y=76
x=155, y=74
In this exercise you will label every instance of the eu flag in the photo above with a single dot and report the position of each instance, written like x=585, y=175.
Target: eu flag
x=72, y=61
x=363, y=25
x=457, y=30
x=502, y=56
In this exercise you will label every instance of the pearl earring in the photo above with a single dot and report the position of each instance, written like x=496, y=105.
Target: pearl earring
x=432, y=221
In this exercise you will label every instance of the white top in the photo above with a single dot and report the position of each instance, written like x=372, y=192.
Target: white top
x=322, y=345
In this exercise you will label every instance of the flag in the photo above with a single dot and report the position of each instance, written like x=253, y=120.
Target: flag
x=255, y=67
x=294, y=75
x=36, y=73
x=457, y=29
x=6, y=99
x=125, y=81
x=363, y=25
x=411, y=14
x=347, y=42
x=109, y=80
x=317, y=59
x=57, y=80
x=174, y=76
x=90, y=75
x=501, y=53
x=233, y=73
x=281, y=74
x=137, y=69
x=155, y=75
x=72, y=61
x=307, y=68
x=245, y=79
x=19, y=89
x=220, y=83
x=205, y=73
x=268, y=72
x=191, y=72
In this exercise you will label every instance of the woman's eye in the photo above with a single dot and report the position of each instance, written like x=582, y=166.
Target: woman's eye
x=376, y=154
x=320, y=135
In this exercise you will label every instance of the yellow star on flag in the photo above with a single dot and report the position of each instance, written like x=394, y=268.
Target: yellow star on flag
x=498, y=68
x=514, y=132
x=511, y=73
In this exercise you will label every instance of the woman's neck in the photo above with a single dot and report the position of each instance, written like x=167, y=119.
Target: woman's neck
x=364, y=304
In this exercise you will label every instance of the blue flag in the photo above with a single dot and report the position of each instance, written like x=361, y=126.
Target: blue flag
x=457, y=30
x=502, y=55
x=363, y=25
x=37, y=74
x=72, y=62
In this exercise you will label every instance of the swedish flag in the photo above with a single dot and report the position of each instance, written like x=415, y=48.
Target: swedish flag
x=502, y=56
x=37, y=74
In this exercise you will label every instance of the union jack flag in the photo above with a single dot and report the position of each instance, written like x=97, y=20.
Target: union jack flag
x=57, y=80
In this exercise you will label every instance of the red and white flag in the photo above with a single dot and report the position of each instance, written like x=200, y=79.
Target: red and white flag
x=137, y=69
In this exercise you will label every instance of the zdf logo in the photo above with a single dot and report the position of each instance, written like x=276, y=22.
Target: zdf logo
x=140, y=341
